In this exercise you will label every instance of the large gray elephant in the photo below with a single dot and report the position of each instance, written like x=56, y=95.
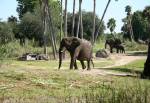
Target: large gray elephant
x=79, y=49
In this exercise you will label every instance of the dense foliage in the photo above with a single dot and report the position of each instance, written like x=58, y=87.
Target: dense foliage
x=87, y=24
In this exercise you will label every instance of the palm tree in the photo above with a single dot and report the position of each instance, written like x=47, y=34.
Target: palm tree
x=111, y=25
x=97, y=31
x=80, y=25
x=47, y=26
x=73, y=17
x=146, y=13
x=61, y=24
x=129, y=20
x=65, y=28
x=93, y=32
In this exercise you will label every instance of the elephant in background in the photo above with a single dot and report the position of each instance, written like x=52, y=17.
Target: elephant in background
x=79, y=49
x=112, y=44
x=120, y=48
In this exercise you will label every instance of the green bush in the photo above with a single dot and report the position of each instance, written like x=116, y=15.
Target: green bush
x=14, y=49
x=133, y=46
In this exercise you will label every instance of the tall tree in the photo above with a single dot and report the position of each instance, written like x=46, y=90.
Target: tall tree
x=111, y=25
x=87, y=24
x=80, y=23
x=97, y=31
x=146, y=72
x=61, y=22
x=73, y=17
x=93, y=32
x=129, y=21
x=65, y=27
x=47, y=24
x=25, y=6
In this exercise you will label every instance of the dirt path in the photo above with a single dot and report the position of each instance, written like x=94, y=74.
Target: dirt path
x=120, y=60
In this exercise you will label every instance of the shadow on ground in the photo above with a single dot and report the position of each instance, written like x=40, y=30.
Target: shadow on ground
x=138, y=53
x=125, y=70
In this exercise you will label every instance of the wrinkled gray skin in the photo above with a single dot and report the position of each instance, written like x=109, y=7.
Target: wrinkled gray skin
x=79, y=49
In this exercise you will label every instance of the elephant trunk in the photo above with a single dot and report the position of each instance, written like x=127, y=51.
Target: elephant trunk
x=60, y=56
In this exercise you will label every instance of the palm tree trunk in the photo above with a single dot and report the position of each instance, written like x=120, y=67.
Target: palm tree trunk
x=96, y=34
x=61, y=23
x=65, y=28
x=48, y=27
x=93, y=32
x=131, y=29
x=78, y=24
x=73, y=17
x=81, y=23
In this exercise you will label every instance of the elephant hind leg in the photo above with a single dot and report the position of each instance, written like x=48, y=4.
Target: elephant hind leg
x=82, y=63
x=75, y=65
x=88, y=64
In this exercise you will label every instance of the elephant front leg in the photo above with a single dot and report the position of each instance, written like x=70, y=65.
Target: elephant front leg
x=72, y=62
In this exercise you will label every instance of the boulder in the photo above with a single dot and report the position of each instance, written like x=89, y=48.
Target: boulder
x=102, y=54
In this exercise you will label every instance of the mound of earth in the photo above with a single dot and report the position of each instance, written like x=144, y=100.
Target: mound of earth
x=102, y=54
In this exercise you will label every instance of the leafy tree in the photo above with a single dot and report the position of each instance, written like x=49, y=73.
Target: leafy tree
x=111, y=25
x=140, y=26
x=6, y=33
x=25, y=6
x=12, y=19
x=30, y=27
x=87, y=24
x=146, y=13
x=129, y=22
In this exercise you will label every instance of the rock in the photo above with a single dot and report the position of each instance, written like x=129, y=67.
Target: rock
x=30, y=56
x=102, y=54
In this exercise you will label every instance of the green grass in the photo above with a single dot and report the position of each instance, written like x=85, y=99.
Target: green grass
x=135, y=67
x=40, y=81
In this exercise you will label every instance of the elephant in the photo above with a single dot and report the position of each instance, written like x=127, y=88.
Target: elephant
x=120, y=48
x=112, y=43
x=79, y=49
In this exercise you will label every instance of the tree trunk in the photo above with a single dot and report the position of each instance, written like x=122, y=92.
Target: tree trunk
x=79, y=19
x=61, y=23
x=97, y=31
x=48, y=27
x=77, y=32
x=131, y=30
x=65, y=28
x=93, y=32
x=73, y=17
x=146, y=72
x=81, y=23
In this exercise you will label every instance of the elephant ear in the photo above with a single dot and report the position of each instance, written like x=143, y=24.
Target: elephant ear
x=75, y=42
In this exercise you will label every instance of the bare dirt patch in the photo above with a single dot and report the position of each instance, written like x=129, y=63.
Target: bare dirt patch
x=119, y=60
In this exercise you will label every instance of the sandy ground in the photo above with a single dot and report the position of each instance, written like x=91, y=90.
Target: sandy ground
x=120, y=59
